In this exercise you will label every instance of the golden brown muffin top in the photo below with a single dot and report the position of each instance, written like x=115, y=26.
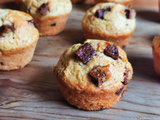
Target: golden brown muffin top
x=46, y=8
x=110, y=19
x=80, y=74
x=17, y=30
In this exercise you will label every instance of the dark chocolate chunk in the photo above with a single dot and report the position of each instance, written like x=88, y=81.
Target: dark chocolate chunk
x=119, y=91
x=33, y=22
x=5, y=29
x=100, y=74
x=43, y=9
x=128, y=14
x=85, y=52
x=112, y=51
x=99, y=13
x=1, y=63
x=54, y=24
x=126, y=75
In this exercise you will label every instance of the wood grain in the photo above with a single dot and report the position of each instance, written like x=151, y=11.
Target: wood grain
x=32, y=93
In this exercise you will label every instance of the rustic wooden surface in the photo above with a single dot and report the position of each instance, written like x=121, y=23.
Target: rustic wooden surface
x=32, y=93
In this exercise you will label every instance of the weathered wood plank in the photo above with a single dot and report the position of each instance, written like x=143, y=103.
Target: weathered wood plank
x=32, y=93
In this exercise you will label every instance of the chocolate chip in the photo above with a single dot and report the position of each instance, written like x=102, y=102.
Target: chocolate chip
x=126, y=75
x=111, y=51
x=128, y=14
x=33, y=22
x=119, y=91
x=85, y=52
x=5, y=29
x=54, y=24
x=99, y=13
x=1, y=63
x=100, y=74
x=43, y=9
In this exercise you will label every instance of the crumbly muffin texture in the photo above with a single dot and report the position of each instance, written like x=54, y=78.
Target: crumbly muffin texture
x=17, y=30
x=117, y=21
x=92, y=71
x=46, y=8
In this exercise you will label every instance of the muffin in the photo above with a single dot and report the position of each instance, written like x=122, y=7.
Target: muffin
x=50, y=15
x=18, y=39
x=78, y=1
x=111, y=22
x=93, y=75
x=156, y=54
x=123, y=2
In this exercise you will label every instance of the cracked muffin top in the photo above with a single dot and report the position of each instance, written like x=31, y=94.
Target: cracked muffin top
x=110, y=19
x=17, y=30
x=96, y=65
x=45, y=8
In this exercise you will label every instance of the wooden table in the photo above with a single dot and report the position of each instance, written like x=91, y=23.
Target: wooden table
x=32, y=93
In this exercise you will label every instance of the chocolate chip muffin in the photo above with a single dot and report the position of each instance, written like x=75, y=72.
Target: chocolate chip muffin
x=156, y=54
x=18, y=39
x=78, y=1
x=111, y=22
x=50, y=15
x=123, y=2
x=93, y=75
